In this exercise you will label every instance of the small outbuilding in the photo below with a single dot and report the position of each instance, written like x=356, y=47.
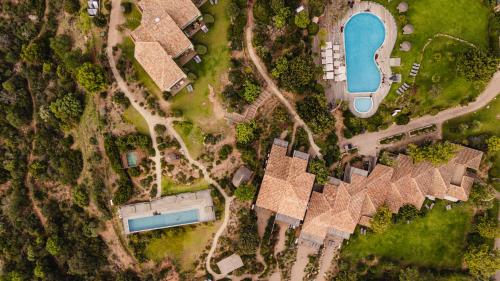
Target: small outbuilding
x=230, y=264
x=408, y=29
x=402, y=7
x=405, y=46
x=242, y=175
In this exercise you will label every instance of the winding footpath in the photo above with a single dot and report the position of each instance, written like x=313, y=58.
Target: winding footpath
x=114, y=37
x=270, y=85
x=368, y=143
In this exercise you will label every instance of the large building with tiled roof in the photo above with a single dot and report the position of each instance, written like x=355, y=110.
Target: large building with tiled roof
x=341, y=205
x=286, y=186
x=163, y=22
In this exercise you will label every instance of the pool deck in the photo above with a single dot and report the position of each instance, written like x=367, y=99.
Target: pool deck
x=201, y=201
x=384, y=54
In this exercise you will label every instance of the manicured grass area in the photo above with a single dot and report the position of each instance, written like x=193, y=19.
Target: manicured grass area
x=482, y=122
x=465, y=19
x=169, y=187
x=133, y=19
x=196, y=106
x=192, y=135
x=436, y=240
x=133, y=117
x=183, y=247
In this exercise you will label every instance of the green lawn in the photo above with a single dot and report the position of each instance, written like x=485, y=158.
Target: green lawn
x=184, y=247
x=196, y=106
x=192, y=135
x=436, y=240
x=133, y=117
x=133, y=19
x=465, y=19
x=482, y=122
x=169, y=187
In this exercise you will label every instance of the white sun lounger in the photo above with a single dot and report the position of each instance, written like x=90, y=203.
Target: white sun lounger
x=327, y=60
x=326, y=54
x=328, y=76
x=337, y=63
x=336, y=47
x=341, y=69
x=336, y=56
x=328, y=67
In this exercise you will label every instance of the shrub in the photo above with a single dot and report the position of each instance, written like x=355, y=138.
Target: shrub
x=319, y=168
x=91, y=77
x=251, y=91
x=225, y=151
x=312, y=28
x=302, y=19
x=437, y=153
x=208, y=18
x=160, y=129
x=245, y=132
x=245, y=192
x=201, y=49
x=134, y=171
x=191, y=76
x=475, y=65
x=402, y=119
x=126, y=7
x=71, y=6
x=382, y=219
x=100, y=20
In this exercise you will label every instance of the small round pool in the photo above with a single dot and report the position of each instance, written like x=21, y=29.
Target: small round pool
x=363, y=104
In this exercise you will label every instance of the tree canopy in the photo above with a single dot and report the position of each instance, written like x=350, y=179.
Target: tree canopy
x=318, y=168
x=245, y=192
x=437, y=153
x=476, y=65
x=67, y=109
x=245, y=132
x=315, y=113
x=493, y=144
x=251, y=91
x=382, y=219
x=482, y=262
x=91, y=77
x=302, y=19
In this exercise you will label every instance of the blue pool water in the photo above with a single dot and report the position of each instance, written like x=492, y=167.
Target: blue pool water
x=364, y=33
x=363, y=104
x=131, y=159
x=163, y=220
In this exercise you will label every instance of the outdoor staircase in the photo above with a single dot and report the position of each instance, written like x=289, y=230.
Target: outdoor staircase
x=251, y=111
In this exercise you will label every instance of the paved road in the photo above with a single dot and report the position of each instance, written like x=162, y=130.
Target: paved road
x=114, y=38
x=368, y=144
x=271, y=86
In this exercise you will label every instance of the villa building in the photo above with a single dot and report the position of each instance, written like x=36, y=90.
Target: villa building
x=162, y=38
x=286, y=186
x=341, y=206
x=336, y=210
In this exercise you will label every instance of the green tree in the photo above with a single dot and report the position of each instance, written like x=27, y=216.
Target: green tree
x=31, y=53
x=261, y=11
x=53, y=245
x=346, y=276
x=248, y=240
x=482, y=262
x=493, y=144
x=437, y=153
x=302, y=19
x=313, y=110
x=382, y=219
x=407, y=212
x=91, y=77
x=318, y=168
x=81, y=196
x=409, y=274
x=476, y=65
x=245, y=132
x=281, y=17
x=224, y=151
x=486, y=227
x=68, y=108
x=251, y=91
x=71, y=6
x=245, y=192
x=402, y=119
x=317, y=7
x=482, y=196
x=39, y=271
x=301, y=72
x=280, y=67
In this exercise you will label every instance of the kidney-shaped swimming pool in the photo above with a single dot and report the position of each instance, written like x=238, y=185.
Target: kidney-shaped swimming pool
x=364, y=33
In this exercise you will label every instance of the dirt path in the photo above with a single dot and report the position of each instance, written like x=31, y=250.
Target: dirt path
x=303, y=253
x=368, y=144
x=114, y=37
x=124, y=258
x=271, y=86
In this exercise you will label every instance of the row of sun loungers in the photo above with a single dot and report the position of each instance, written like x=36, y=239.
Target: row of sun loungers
x=332, y=62
x=414, y=69
x=403, y=88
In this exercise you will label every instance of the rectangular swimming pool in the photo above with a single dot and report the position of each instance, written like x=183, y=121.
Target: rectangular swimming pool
x=131, y=159
x=163, y=220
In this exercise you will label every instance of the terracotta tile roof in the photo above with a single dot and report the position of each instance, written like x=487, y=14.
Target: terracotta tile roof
x=343, y=205
x=184, y=12
x=158, y=25
x=158, y=64
x=286, y=186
